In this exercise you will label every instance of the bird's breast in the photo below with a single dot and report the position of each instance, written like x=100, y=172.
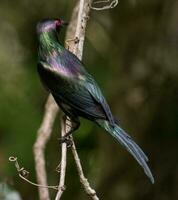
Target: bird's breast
x=65, y=72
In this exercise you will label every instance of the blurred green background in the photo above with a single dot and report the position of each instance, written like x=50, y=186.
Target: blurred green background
x=132, y=51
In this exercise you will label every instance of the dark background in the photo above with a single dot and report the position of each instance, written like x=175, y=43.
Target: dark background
x=132, y=51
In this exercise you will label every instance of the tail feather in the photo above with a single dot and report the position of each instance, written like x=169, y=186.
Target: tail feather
x=126, y=141
x=135, y=145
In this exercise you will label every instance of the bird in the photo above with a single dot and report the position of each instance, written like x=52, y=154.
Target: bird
x=75, y=90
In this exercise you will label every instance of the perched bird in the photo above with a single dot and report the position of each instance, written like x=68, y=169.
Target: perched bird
x=75, y=90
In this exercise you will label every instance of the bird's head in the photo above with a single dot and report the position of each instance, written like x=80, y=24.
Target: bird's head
x=47, y=25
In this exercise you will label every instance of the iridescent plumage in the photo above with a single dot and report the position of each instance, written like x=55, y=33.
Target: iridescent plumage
x=75, y=90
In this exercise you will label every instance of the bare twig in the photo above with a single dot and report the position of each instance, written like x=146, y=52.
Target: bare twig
x=91, y=192
x=77, y=49
x=23, y=174
x=44, y=133
x=63, y=162
x=83, y=16
x=112, y=4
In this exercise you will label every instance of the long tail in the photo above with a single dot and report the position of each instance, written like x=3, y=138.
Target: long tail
x=126, y=141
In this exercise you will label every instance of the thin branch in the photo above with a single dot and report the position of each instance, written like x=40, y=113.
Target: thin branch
x=83, y=16
x=77, y=49
x=112, y=4
x=91, y=192
x=23, y=174
x=63, y=162
x=44, y=133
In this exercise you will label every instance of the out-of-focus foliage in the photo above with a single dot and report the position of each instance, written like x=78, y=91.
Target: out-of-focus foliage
x=8, y=194
x=132, y=51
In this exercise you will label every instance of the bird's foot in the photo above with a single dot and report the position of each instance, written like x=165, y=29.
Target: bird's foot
x=66, y=140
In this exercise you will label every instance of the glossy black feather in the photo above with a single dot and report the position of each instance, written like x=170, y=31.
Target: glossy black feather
x=76, y=91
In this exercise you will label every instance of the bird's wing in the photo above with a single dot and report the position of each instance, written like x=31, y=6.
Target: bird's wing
x=75, y=86
x=96, y=93
x=70, y=92
x=72, y=62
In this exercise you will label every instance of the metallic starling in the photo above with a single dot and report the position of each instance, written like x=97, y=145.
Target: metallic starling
x=75, y=90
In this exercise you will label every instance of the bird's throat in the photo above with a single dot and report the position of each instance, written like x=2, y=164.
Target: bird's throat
x=48, y=39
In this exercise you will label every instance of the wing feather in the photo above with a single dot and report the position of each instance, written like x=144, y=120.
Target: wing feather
x=71, y=83
x=71, y=92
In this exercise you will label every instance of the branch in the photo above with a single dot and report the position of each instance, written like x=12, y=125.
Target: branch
x=63, y=162
x=78, y=34
x=112, y=4
x=44, y=133
x=77, y=49
x=91, y=192
x=23, y=174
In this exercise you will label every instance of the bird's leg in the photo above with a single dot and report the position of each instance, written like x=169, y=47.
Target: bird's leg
x=74, y=124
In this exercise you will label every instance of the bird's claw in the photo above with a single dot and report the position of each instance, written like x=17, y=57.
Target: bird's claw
x=67, y=140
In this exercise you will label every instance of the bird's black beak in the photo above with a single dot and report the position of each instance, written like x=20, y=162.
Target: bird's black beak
x=63, y=23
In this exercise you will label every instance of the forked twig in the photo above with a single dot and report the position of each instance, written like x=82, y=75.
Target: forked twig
x=23, y=174
x=112, y=4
